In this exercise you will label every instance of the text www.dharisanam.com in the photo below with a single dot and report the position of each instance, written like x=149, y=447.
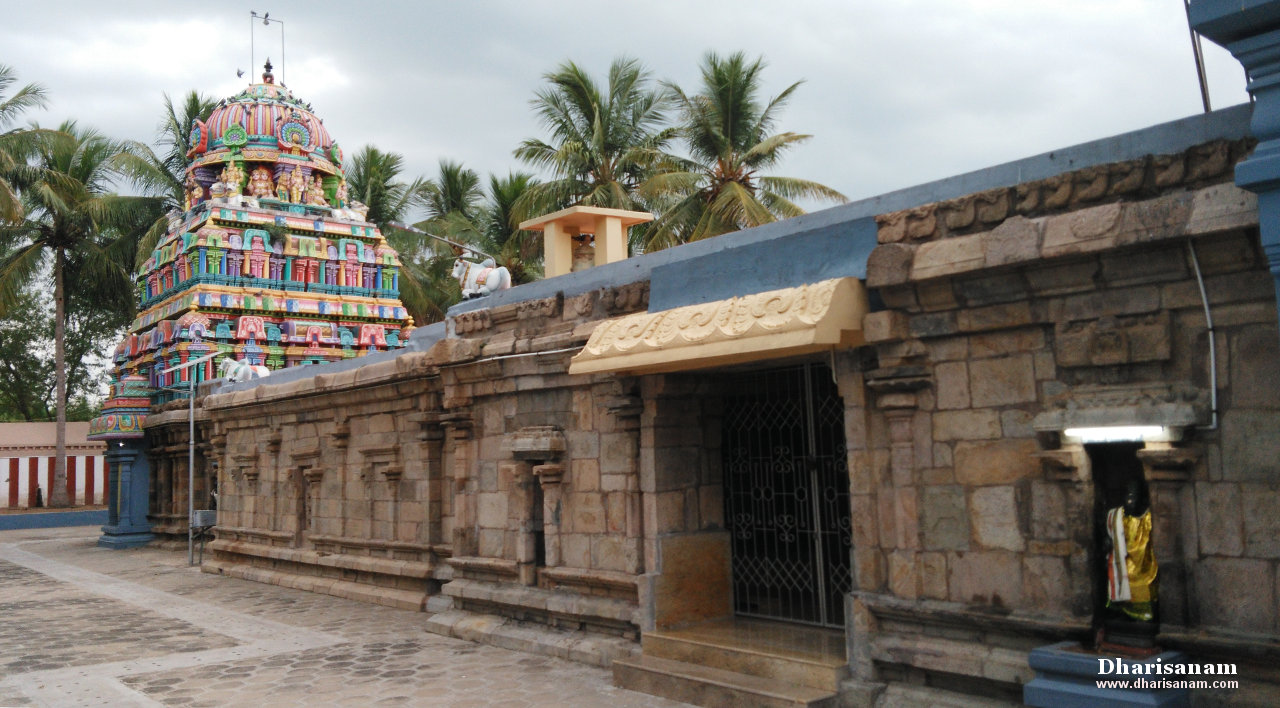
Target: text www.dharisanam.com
x=1158, y=684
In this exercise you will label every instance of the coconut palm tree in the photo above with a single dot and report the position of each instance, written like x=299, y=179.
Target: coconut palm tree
x=16, y=142
x=74, y=223
x=520, y=251
x=728, y=132
x=174, y=136
x=604, y=141
x=373, y=179
x=455, y=190
x=161, y=175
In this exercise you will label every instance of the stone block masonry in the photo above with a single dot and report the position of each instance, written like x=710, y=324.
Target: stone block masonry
x=1075, y=302
x=478, y=480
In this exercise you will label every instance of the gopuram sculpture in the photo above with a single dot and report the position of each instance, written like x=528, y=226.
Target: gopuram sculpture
x=260, y=183
x=277, y=278
x=315, y=192
x=233, y=179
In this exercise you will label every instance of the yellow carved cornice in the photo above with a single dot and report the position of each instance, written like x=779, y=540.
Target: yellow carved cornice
x=769, y=325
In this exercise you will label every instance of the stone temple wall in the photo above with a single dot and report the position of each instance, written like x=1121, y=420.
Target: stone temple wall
x=477, y=479
x=479, y=465
x=1074, y=299
x=335, y=483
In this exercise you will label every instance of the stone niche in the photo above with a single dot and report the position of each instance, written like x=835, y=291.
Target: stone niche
x=525, y=513
x=1167, y=462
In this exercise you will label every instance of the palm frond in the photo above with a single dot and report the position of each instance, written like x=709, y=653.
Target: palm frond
x=793, y=188
x=24, y=99
x=16, y=270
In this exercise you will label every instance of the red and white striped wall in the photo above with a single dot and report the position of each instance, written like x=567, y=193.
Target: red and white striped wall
x=87, y=477
x=27, y=462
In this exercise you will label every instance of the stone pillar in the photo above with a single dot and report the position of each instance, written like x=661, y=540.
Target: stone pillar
x=431, y=445
x=393, y=474
x=625, y=412
x=1251, y=32
x=897, y=498
x=557, y=249
x=127, y=525
x=549, y=476
x=611, y=240
x=1168, y=472
x=457, y=426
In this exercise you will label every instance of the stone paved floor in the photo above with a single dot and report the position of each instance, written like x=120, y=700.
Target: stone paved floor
x=84, y=626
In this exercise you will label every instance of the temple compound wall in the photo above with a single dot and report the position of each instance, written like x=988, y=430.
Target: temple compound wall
x=874, y=432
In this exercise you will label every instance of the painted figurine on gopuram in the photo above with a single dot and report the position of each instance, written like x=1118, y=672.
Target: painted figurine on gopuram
x=280, y=277
x=260, y=185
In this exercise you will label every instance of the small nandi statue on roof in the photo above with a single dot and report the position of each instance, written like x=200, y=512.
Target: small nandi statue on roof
x=236, y=371
x=479, y=279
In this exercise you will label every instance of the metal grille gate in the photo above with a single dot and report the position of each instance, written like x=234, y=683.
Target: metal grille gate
x=787, y=495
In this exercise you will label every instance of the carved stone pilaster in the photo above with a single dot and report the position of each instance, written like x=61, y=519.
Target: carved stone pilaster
x=550, y=476
x=375, y=457
x=247, y=468
x=457, y=424
x=313, y=475
x=430, y=425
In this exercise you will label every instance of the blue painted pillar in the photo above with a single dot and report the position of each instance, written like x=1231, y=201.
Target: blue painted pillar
x=1250, y=30
x=127, y=525
x=120, y=427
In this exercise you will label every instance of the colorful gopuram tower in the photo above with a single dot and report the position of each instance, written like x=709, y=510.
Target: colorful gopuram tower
x=270, y=262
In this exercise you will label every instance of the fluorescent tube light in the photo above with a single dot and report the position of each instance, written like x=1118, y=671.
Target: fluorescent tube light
x=1116, y=433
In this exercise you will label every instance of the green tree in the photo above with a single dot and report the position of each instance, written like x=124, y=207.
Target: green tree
x=373, y=178
x=162, y=174
x=456, y=190
x=728, y=132
x=27, y=372
x=14, y=143
x=604, y=141
x=520, y=251
x=26, y=376
x=73, y=220
x=484, y=220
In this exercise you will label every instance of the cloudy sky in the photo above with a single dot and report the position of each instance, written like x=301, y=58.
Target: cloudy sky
x=896, y=92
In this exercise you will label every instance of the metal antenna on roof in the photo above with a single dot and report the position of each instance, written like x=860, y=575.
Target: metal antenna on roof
x=266, y=20
x=1198, y=51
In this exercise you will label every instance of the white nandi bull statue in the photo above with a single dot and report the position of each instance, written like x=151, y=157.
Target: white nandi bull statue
x=479, y=279
x=235, y=371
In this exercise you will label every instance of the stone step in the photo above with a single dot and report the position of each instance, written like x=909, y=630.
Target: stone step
x=714, y=688
x=813, y=670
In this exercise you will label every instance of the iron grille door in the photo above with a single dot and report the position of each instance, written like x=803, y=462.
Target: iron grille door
x=787, y=495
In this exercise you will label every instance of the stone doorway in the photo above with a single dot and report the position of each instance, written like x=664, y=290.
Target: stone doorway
x=786, y=492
